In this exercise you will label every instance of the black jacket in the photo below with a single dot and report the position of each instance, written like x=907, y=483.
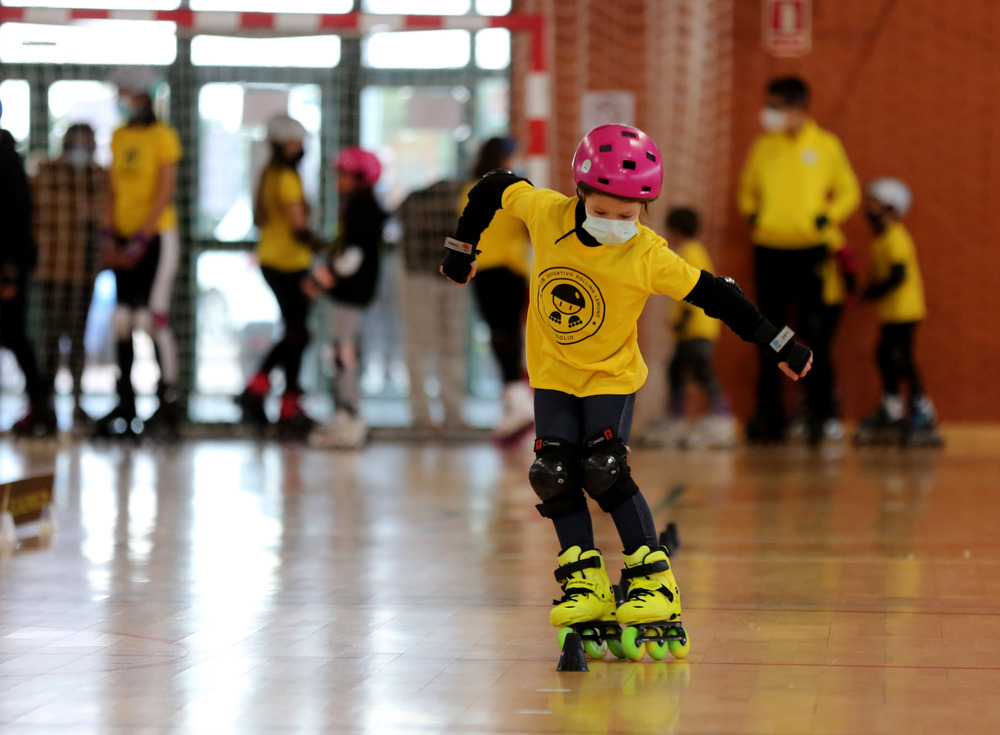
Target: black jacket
x=17, y=244
x=361, y=224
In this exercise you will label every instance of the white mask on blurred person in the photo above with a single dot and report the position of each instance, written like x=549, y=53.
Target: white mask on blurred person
x=78, y=158
x=773, y=120
x=126, y=109
x=611, y=231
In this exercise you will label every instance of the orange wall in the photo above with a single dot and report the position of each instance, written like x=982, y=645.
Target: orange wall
x=913, y=90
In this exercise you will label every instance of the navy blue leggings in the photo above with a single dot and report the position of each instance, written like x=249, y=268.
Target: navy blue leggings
x=563, y=416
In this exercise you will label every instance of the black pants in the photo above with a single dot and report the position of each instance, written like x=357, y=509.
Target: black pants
x=14, y=336
x=895, y=359
x=692, y=360
x=563, y=416
x=294, y=306
x=134, y=286
x=65, y=307
x=501, y=294
x=790, y=291
x=827, y=405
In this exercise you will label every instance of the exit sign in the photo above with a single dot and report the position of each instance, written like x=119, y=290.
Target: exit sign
x=787, y=27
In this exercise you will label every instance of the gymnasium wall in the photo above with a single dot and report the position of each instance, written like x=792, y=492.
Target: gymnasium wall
x=911, y=88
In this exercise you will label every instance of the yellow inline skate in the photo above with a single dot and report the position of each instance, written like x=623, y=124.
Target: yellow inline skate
x=651, y=613
x=588, y=603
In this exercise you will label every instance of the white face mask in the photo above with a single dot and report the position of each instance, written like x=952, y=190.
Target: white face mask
x=78, y=158
x=611, y=231
x=773, y=120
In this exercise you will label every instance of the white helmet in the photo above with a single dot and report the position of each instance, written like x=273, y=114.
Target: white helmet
x=891, y=193
x=135, y=79
x=284, y=129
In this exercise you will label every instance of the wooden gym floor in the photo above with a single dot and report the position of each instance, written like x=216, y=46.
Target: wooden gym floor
x=227, y=587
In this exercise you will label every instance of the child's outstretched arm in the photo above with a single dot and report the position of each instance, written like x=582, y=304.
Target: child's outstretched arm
x=878, y=289
x=485, y=198
x=723, y=299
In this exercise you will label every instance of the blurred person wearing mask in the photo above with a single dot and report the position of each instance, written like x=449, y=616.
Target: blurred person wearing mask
x=18, y=255
x=285, y=252
x=142, y=248
x=68, y=194
x=795, y=189
x=434, y=315
x=501, y=291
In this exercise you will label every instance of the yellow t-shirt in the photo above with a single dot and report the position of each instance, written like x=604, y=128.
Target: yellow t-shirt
x=138, y=153
x=504, y=244
x=278, y=248
x=789, y=181
x=585, y=302
x=905, y=303
x=697, y=324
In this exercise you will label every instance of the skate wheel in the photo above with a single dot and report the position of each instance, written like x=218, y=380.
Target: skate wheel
x=615, y=646
x=630, y=647
x=679, y=648
x=656, y=650
x=594, y=647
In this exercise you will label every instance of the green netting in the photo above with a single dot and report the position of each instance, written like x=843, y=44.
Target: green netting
x=425, y=124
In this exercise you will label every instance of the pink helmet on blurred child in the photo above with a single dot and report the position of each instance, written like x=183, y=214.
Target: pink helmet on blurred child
x=619, y=160
x=359, y=162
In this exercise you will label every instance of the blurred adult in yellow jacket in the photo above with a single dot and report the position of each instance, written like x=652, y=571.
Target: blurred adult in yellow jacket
x=795, y=189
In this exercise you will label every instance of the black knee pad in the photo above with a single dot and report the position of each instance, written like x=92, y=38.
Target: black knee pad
x=555, y=478
x=607, y=478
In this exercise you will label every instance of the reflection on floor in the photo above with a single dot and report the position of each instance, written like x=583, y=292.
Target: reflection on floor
x=219, y=416
x=224, y=586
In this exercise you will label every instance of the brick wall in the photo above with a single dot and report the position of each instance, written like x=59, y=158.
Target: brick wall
x=910, y=88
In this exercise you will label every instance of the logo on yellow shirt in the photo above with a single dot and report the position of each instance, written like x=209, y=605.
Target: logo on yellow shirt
x=570, y=303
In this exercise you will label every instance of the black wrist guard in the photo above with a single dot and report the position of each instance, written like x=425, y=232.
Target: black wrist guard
x=780, y=346
x=458, y=259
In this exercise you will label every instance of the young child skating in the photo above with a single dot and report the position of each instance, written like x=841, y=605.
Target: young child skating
x=695, y=334
x=594, y=267
x=898, y=289
x=350, y=274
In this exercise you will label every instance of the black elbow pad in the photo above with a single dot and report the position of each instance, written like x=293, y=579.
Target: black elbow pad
x=722, y=298
x=485, y=198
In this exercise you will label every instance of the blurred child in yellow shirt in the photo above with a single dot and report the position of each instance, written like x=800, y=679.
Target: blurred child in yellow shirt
x=897, y=288
x=695, y=334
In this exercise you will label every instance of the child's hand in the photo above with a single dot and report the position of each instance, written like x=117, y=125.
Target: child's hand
x=324, y=276
x=472, y=274
x=783, y=366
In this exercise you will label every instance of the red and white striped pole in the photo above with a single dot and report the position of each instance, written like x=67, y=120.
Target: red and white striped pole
x=537, y=91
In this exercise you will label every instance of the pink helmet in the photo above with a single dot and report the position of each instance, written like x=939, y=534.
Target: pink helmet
x=619, y=160
x=364, y=165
